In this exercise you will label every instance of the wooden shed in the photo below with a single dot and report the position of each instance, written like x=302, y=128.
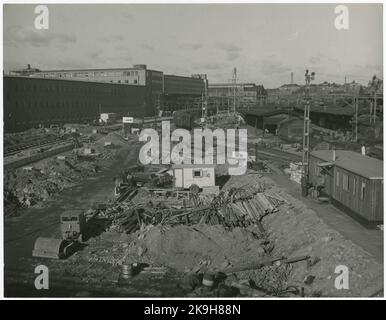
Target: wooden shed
x=202, y=175
x=354, y=183
x=291, y=130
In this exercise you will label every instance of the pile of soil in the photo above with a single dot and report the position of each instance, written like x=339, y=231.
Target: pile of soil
x=299, y=231
x=185, y=247
x=295, y=230
x=47, y=177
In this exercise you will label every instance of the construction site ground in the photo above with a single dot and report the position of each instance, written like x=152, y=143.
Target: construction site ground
x=370, y=240
x=176, y=256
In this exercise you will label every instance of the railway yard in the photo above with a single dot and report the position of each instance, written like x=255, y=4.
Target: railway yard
x=250, y=235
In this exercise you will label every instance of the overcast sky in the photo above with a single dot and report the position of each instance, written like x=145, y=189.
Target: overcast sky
x=264, y=41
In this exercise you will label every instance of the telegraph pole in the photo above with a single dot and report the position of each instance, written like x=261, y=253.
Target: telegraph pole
x=306, y=133
x=234, y=80
x=374, y=86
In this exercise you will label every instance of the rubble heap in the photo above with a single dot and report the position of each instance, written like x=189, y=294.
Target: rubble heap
x=236, y=207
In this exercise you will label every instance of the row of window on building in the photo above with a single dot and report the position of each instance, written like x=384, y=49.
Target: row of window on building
x=347, y=181
x=349, y=184
x=66, y=89
x=37, y=106
x=89, y=74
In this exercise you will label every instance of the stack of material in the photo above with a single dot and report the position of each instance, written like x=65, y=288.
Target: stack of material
x=249, y=211
x=296, y=171
x=237, y=207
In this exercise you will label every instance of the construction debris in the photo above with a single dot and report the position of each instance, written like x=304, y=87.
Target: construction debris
x=31, y=185
x=233, y=208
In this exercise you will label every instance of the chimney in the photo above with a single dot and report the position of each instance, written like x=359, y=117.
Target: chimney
x=363, y=150
x=292, y=78
x=28, y=66
x=333, y=155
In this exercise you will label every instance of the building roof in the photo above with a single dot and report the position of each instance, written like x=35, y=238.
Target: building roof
x=355, y=162
x=290, y=85
x=135, y=67
x=228, y=84
x=291, y=120
x=342, y=111
x=193, y=166
x=265, y=112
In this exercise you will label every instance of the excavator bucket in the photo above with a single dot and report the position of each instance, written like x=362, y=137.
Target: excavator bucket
x=51, y=248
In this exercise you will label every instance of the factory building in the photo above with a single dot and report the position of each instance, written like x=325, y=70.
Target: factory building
x=33, y=97
x=183, y=92
x=135, y=75
x=246, y=95
x=29, y=102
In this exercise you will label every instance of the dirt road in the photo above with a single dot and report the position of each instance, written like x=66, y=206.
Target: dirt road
x=20, y=232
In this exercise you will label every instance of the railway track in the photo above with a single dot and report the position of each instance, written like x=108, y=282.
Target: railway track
x=277, y=154
x=14, y=149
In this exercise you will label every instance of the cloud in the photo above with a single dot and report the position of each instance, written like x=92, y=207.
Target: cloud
x=292, y=36
x=231, y=50
x=36, y=38
x=121, y=47
x=269, y=68
x=190, y=46
x=147, y=47
x=112, y=38
x=71, y=63
x=210, y=66
x=315, y=60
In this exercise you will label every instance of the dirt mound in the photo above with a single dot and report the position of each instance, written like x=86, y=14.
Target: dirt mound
x=299, y=232
x=45, y=178
x=188, y=247
x=296, y=230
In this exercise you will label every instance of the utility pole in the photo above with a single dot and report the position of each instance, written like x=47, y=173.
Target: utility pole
x=306, y=133
x=234, y=80
x=374, y=87
x=356, y=117
x=205, y=99
x=375, y=106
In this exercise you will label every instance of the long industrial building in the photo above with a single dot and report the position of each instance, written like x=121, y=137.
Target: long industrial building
x=33, y=97
x=243, y=95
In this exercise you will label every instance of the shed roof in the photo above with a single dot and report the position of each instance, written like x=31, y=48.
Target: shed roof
x=355, y=162
x=193, y=166
x=341, y=111
x=265, y=112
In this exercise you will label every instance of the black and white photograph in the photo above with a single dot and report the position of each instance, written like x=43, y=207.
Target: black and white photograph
x=181, y=150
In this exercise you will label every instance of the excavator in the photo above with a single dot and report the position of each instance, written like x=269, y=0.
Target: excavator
x=72, y=227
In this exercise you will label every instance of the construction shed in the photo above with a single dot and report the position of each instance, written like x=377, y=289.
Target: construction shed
x=186, y=175
x=352, y=181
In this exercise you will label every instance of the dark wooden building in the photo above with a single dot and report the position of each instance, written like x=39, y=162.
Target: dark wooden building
x=354, y=183
x=329, y=117
x=291, y=130
x=265, y=119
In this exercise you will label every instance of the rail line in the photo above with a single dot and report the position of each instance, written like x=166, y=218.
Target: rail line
x=11, y=150
x=276, y=154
